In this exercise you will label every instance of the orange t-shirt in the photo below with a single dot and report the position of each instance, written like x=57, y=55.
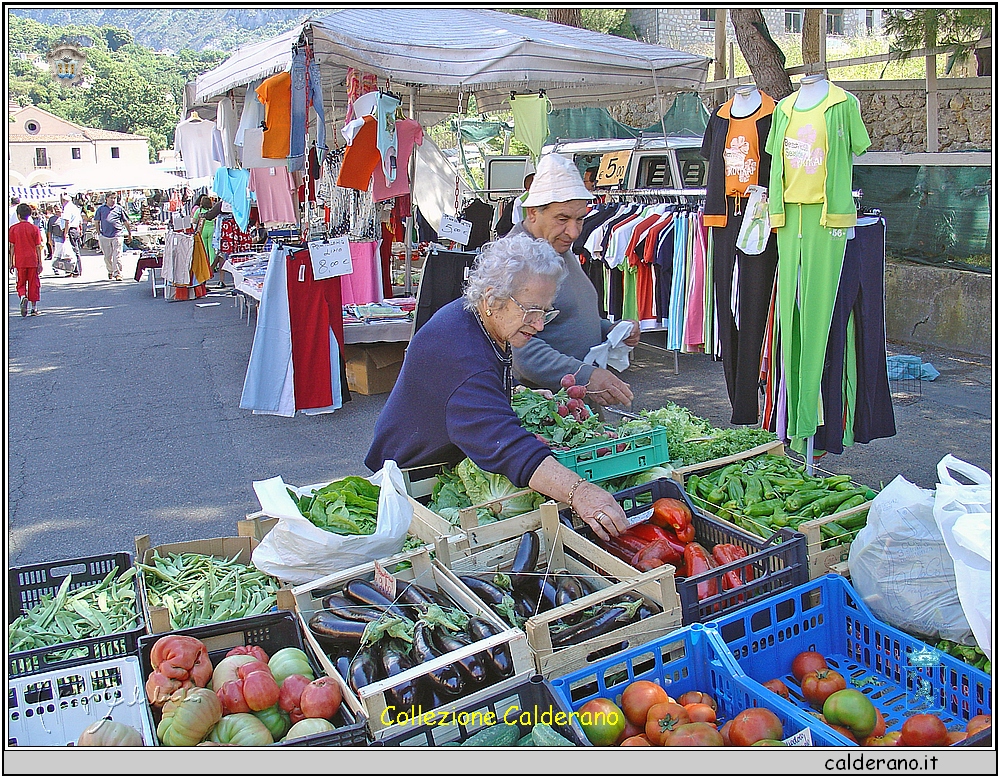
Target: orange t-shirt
x=742, y=155
x=360, y=158
x=275, y=94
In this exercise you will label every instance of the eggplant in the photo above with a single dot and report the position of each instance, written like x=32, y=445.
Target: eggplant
x=363, y=670
x=586, y=584
x=540, y=592
x=591, y=628
x=354, y=612
x=525, y=559
x=343, y=665
x=472, y=668
x=524, y=606
x=502, y=663
x=330, y=629
x=447, y=681
x=441, y=598
x=484, y=590
x=394, y=662
x=364, y=593
x=337, y=600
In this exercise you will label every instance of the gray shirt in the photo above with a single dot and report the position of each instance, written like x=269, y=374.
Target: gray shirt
x=560, y=348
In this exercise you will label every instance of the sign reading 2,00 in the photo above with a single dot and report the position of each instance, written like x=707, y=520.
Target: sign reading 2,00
x=613, y=166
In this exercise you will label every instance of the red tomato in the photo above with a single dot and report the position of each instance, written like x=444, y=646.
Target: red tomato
x=602, y=721
x=696, y=733
x=851, y=709
x=844, y=731
x=879, y=725
x=321, y=699
x=755, y=724
x=689, y=698
x=888, y=739
x=820, y=684
x=699, y=711
x=662, y=719
x=976, y=723
x=777, y=686
x=806, y=662
x=631, y=730
x=956, y=737
x=724, y=732
x=636, y=740
x=924, y=729
x=638, y=698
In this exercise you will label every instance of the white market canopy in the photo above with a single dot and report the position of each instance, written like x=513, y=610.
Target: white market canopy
x=116, y=178
x=448, y=54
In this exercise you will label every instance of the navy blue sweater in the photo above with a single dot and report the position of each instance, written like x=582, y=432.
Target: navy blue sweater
x=449, y=403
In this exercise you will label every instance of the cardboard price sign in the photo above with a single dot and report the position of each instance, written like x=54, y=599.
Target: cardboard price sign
x=385, y=581
x=454, y=229
x=330, y=258
x=613, y=166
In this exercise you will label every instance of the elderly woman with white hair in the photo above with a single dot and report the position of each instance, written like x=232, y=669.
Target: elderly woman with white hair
x=453, y=395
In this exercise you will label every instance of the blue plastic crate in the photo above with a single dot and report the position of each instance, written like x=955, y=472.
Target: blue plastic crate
x=690, y=659
x=828, y=616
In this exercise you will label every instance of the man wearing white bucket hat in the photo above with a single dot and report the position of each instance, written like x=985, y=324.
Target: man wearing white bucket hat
x=554, y=211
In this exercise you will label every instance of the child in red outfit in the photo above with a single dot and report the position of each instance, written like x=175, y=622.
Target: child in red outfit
x=24, y=252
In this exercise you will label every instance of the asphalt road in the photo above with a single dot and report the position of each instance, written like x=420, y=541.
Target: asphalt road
x=123, y=419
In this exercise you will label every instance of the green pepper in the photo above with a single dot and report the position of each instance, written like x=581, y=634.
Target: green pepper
x=799, y=500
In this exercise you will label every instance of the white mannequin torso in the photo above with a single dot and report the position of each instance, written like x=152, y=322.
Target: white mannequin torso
x=745, y=102
x=813, y=89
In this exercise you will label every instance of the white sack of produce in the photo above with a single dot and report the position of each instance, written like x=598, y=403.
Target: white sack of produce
x=901, y=567
x=964, y=514
x=297, y=551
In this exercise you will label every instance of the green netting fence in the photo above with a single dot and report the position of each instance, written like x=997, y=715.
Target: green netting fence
x=935, y=214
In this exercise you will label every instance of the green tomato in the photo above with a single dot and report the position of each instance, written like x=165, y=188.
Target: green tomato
x=241, y=729
x=850, y=708
x=275, y=719
x=602, y=721
x=290, y=661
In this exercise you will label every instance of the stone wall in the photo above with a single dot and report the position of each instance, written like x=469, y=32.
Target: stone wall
x=895, y=113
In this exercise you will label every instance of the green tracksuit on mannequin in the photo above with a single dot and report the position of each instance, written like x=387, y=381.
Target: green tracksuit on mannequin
x=814, y=134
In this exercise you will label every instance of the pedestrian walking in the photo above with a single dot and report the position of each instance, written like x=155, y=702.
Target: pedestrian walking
x=71, y=221
x=54, y=232
x=112, y=221
x=24, y=255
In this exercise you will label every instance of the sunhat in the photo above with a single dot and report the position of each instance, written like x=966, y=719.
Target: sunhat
x=557, y=180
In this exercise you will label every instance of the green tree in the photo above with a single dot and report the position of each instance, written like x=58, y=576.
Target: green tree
x=959, y=29
x=116, y=37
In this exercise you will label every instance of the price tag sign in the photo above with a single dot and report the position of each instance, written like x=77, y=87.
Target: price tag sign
x=803, y=738
x=639, y=518
x=330, y=258
x=613, y=166
x=385, y=582
x=454, y=229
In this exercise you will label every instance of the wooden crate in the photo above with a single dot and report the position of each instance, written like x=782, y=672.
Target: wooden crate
x=427, y=573
x=469, y=531
x=776, y=447
x=561, y=548
x=824, y=560
x=158, y=619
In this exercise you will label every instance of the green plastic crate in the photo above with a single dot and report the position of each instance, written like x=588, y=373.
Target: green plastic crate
x=620, y=456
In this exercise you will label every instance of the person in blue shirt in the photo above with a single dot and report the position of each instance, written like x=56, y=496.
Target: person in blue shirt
x=112, y=221
x=453, y=395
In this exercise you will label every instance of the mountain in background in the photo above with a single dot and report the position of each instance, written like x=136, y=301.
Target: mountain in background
x=219, y=29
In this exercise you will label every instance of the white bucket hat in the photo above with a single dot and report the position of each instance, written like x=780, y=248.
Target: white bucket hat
x=556, y=181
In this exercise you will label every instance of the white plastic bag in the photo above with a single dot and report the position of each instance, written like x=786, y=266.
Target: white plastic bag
x=297, y=551
x=901, y=568
x=964, y=514
x=612, y=352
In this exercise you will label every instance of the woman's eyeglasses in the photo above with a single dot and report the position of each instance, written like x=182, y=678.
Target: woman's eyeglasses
x=535, y=315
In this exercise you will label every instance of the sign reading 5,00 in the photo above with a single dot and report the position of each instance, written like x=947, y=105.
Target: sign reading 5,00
x=613, y=165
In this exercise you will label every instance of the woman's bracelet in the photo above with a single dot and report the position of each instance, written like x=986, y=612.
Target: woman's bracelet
x=572, y=491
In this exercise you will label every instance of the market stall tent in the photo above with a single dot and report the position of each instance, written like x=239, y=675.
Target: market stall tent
x=107, y=178
x=441, y=56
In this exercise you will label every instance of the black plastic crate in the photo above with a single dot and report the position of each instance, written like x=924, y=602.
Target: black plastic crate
x=272, y=632
x=27, y=584
x=530, y=694
x=779, y=563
